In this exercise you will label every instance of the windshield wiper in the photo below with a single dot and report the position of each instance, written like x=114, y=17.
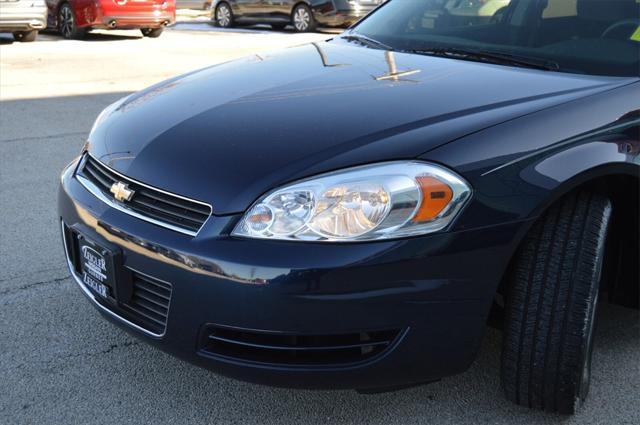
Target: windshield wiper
x=367, y=41
x=490, y=57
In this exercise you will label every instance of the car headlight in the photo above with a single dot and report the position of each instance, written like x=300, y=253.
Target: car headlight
x=371, y=202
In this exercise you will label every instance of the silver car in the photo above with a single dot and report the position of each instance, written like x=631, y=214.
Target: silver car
x=23, y=18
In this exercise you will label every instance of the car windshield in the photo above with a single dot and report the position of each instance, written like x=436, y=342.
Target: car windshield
x=597, y=37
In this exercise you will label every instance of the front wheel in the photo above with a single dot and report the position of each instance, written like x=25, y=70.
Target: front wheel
x=223, y=16
x=25, y=36
x=152, y=32
x=67, y=23
x=302, y=19
x=551, y=303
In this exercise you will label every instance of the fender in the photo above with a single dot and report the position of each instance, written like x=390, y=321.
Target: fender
x=518, y=168
x=568, y=169
x=232, y=3
x=85, y=11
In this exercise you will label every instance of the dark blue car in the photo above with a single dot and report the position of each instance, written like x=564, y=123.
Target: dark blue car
x=352, y=213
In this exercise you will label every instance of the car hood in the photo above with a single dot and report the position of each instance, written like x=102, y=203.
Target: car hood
x=229, y=133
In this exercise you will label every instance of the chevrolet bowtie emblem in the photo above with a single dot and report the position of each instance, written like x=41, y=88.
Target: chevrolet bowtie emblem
x=121, y=191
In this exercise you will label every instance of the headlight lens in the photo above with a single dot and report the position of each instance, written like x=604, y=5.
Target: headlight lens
x=350, y=210
x=372, y=202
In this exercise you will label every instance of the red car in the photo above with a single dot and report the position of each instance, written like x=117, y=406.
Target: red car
x=74, y=18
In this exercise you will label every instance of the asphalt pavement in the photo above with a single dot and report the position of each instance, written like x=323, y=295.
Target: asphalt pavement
x=61, y=363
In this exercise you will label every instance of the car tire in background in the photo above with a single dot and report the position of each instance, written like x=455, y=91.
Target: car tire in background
x=302, y=19
x=152, y=32
x=25, y=36
x=551, y=302
x=67, y=23
x=223, y=16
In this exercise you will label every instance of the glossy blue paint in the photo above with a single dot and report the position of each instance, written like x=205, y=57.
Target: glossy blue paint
x=236, y=130
x=519, y=167
x=428, y=286
x=229, y=133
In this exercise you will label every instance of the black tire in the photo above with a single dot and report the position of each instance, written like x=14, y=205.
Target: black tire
x=302, y=19
x=152, y=32
x=279, y=27
x=67, y=23
x=25, y=36
x=551, y=302
x=223, y=16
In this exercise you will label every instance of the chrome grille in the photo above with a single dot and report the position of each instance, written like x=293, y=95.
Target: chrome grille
x=147, y=203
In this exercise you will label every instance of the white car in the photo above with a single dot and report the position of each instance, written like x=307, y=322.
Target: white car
x=23, y=18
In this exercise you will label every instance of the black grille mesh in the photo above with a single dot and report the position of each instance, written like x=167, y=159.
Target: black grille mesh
x=292, y=349
x=149, y=303
x=155, y=204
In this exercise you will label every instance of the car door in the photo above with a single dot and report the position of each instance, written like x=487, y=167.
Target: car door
x=251, y=9
x=278, y=10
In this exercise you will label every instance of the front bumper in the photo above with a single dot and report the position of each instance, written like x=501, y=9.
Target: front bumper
x=435, y=291
x=22, y=18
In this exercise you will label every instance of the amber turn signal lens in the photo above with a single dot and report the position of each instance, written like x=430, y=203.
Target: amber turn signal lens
x=436, y=195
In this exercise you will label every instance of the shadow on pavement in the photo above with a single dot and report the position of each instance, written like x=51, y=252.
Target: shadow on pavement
x=94, y=36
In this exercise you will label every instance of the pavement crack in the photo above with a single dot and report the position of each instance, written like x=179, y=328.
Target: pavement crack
x=33, y=284
x=51, y=136
x=116, y=346
x=52, y=364
x=18, y=276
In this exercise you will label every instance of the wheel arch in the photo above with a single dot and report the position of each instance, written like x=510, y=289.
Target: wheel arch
x=215, y=3
x=80, y=21
x=56, y=10
x=568, y=170
x=307, y=3
x=59, y=5
x=620, y=182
